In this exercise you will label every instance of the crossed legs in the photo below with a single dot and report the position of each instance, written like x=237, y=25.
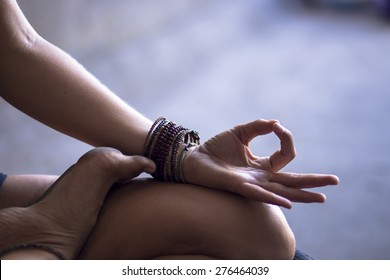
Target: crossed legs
x=142, y=219
x=58, y=224
x=146, y=219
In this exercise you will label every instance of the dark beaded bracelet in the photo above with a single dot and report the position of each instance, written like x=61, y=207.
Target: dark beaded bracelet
x=161, y=151
x=152, y=135
x=173, y=158
x=162, y=146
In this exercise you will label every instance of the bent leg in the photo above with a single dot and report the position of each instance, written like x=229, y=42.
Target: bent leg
x=62, y=219
x=24, y=190
x=146, y=219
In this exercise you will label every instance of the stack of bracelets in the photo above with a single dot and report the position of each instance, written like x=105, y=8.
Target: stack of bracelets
x=167, y=144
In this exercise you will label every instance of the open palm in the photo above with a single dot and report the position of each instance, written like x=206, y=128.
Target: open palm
x=225, y=162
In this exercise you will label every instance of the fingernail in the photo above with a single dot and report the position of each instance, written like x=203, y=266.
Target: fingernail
x=335, y=180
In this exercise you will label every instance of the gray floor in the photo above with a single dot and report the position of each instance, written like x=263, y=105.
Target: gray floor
x=213, y=64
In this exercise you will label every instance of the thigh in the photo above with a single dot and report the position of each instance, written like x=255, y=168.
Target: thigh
x=148, y=219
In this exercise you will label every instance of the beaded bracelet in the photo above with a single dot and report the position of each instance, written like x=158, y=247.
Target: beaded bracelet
x=162, y=145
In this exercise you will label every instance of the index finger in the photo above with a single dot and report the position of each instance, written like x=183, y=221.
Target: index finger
x=287, y=152
x=246, y=132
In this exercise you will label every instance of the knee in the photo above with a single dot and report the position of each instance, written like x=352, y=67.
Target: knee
x=272, y=238
x=286, y=251
x=280, y=240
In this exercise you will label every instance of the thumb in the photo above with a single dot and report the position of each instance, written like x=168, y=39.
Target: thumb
x=132, y=166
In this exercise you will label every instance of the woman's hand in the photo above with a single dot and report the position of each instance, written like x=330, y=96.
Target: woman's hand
x=225, y=162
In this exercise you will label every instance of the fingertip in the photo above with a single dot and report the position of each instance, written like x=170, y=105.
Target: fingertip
x=315, y=198
x=144, y=164
x=285, y=203
x=148, y=165
x=262, y=122
x=331, y=180
x=282, y=132
x=150, y=168
x=334, y=179
x=279, y=128
x=273, y=121
x=287, y=206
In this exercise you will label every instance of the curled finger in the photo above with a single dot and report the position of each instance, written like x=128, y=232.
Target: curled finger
x=287, y=152
x=246, y=132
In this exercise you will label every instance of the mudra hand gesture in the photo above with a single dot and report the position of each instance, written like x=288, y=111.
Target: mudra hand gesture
x=225, y=162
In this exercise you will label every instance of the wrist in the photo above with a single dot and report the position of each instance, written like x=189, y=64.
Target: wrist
x=168, y=144
x=188, y=165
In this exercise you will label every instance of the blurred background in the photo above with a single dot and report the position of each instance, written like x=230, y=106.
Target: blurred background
x=321, y=69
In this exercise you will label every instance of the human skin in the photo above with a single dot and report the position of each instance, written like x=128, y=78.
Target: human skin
x=57, y=91
x=140, y=219
x=67, y=209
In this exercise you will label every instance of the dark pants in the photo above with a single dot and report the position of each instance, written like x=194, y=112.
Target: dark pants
x=301, y=256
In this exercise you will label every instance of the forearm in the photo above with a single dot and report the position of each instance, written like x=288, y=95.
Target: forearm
x=50, y=86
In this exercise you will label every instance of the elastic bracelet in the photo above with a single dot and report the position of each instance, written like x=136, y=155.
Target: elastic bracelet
x=162, y=145
x=152, y=134
x=161, y=150
x=151, y=131
x=173, y=157
x=180, y=166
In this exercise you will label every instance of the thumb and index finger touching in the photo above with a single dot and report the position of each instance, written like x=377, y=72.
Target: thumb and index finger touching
x=247, y=132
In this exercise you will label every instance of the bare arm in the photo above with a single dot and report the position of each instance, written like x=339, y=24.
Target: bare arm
x=47, y=84
x=50, y=86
